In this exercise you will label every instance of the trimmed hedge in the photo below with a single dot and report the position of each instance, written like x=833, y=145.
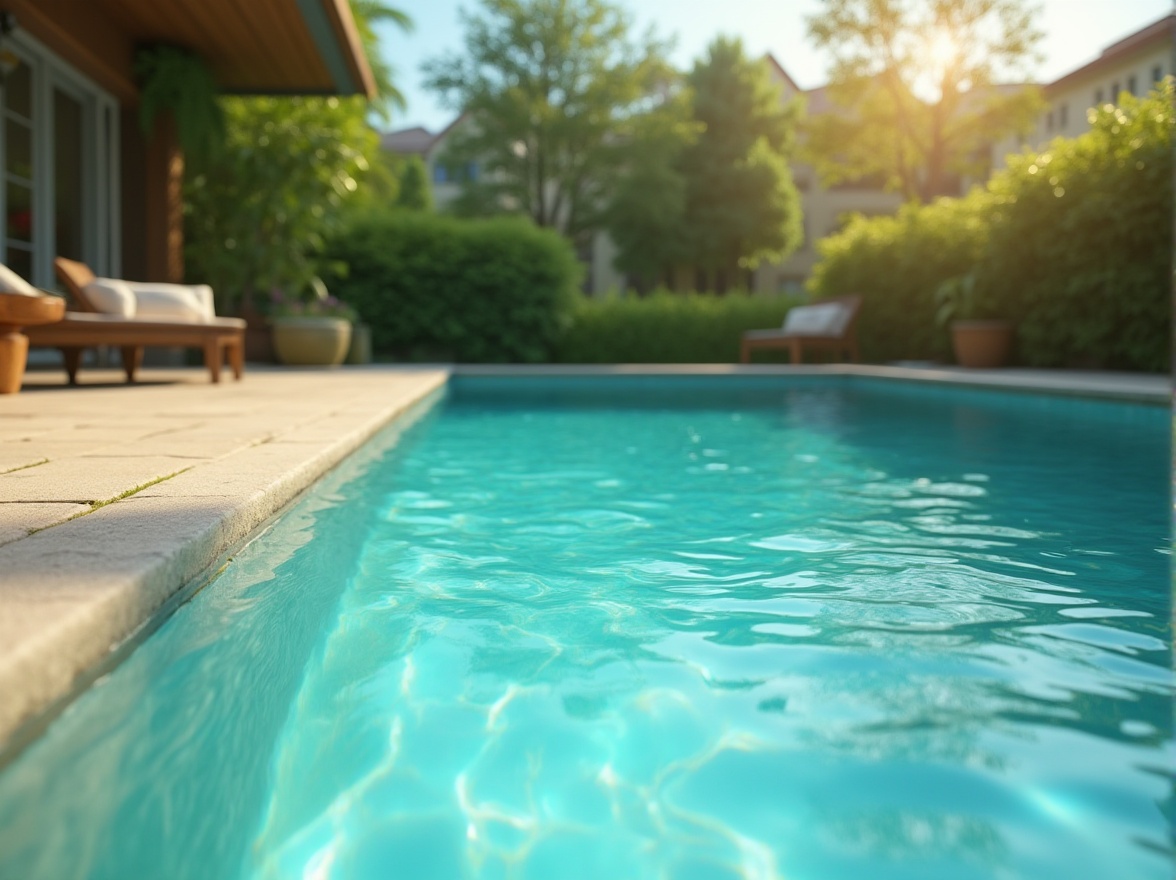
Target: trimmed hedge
x=440, y=288
x=1074, y=244
x=896, y=263
x=1080, y=245
x=666, y=328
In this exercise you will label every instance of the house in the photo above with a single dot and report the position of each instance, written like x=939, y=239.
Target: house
x=824, y=208
x=446, y=180
x=407, y=142
x=1133, y=65
x=81, y=178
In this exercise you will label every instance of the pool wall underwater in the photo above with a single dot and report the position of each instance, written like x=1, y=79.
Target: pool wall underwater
x=194, y=757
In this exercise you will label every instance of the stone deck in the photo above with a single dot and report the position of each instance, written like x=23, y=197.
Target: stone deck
x=115, y=500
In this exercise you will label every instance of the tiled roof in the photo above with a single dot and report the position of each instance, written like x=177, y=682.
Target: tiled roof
x=409, y=141
x=1146, y=38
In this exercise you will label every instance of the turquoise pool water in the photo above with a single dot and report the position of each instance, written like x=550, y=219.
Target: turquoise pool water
x=658, y=629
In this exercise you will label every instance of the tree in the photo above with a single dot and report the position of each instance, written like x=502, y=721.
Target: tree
x=368, y=13
x=646, y=212
x=915, y=83
x=550, y=89
x=706, y=183
x=415, y=194
x=259, y=207
x=742, y=208
x=257, y=212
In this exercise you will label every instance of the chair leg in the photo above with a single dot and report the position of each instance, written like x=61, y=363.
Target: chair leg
x=213, y=353
x=794, y=351
x=236, y=350
x=132, y=358
x=14, y=352
x=73, y=360
x=744, y=352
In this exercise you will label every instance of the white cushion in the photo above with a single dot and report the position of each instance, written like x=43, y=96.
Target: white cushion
x=10, y=282
x=825, y=319
x=111, y=297
x=172, y=302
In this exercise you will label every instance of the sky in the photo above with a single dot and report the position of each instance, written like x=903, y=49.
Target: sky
x=1075, y=32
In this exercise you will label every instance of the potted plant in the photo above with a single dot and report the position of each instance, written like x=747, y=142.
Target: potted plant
x=979, y=339
x=314, y=330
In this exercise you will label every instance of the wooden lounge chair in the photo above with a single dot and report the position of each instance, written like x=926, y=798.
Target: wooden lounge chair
x=830, y=325
x=218, y=338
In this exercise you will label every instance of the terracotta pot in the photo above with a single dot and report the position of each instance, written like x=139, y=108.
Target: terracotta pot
x=306, y=342
x=982, y=344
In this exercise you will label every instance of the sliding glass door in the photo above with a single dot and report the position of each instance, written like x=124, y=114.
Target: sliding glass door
x=60, y=189
x=20, y=172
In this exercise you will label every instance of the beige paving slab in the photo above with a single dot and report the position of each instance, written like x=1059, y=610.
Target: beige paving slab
x=73, y=592
x=200, y=445
x=88, y=480
x=18, y=520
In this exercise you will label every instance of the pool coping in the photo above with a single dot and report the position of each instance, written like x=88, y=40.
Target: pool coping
x=77, y=597
x=1144, y=388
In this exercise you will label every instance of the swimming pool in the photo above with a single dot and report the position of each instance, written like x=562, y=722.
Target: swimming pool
x=658, y=628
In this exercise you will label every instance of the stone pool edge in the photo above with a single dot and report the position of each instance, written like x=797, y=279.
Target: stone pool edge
x=1142, y=388
x=78, y=595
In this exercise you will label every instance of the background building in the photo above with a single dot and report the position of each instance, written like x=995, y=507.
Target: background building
x=1133, y=65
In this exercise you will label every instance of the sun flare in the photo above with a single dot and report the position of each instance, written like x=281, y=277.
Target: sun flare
x=943, y=50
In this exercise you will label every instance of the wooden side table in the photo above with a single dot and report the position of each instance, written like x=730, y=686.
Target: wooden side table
x=16, y=312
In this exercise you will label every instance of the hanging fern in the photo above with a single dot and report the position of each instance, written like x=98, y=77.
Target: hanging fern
x=177, y=81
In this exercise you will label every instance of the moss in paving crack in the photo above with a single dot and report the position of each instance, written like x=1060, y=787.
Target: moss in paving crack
x=95, y=505
x=25, y=467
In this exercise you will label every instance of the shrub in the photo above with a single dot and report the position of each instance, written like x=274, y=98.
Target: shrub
x=1080, y=246
x=467, y=290
x=671, y=328
x=895, y=264
x=1074, y=244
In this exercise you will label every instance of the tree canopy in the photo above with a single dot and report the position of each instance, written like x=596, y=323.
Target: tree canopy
x=550, y=90
x=741, y=206
x=707, y=186
x=258, y=211
x=914, y=83
x=259, y=207
x=415, y=193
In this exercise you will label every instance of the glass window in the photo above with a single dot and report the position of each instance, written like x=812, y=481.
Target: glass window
x=1131, y=84
x=1063, y=115
x=52, y=129
x=18, y=91
x=18, y=221
x=439, y=173
x=20, y=261
x=68, y=165
x=1157, y=73
x=18, y=149
x=1114, y=93
x=1098, y=99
